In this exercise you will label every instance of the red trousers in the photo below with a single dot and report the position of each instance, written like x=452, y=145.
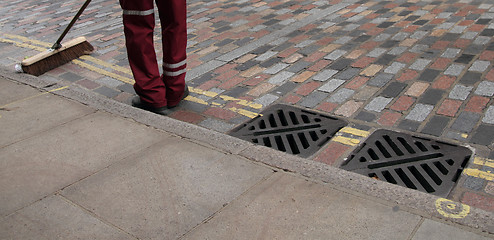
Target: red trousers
x=139, y=23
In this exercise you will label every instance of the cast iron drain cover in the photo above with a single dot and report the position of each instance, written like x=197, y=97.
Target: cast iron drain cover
x=417, y=163
x=290, y=129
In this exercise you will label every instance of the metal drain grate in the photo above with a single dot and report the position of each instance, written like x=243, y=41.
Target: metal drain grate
x=417, y=163
x=290, y=129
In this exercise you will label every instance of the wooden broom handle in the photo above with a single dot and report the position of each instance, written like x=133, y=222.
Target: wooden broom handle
x=57, y=44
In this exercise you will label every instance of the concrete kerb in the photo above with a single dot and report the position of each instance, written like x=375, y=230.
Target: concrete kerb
x=419, y=203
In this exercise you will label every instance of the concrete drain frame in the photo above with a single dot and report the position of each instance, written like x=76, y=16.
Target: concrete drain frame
x=410, y=161
x=290, y=129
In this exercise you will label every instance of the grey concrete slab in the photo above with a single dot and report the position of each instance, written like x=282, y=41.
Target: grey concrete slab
x=430, y=229
x=10, y=91
x=38, y=166
x=33, y=112
x=166, y=190
x=56, y=218
x=289, y=207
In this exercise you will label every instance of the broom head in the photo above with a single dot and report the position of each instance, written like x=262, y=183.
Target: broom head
x=50, y=59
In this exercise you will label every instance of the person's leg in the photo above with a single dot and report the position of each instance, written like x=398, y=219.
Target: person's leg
x=139, y=22
x=173, y=17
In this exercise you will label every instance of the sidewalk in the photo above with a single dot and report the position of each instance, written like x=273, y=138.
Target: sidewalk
x=76, y=165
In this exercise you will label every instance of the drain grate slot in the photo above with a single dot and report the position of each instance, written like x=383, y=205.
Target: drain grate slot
x=290, y=129
x=414, y=162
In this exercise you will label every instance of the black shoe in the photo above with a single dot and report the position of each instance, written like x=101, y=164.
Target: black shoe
x=136, y=102
x=186, y=93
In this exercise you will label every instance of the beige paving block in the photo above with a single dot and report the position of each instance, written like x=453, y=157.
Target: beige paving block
x=39, y=166
x=36, y=113
x=417, y=89
x=167, y=190
x=288, y=207
x=55, y=218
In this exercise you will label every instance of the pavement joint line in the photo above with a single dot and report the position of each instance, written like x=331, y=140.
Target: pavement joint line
x=130, y=80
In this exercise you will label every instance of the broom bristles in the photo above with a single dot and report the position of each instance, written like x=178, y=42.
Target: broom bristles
x=51, y=59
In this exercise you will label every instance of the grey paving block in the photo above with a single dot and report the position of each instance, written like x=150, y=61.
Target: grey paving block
x=430, y=229
x=55, y=218
x=479, y=66
x=335, y=55
x=267, y=99
x=217, y=125
x=331, y=85
x=276, y=68
x=341, y=95
x=474, y=183
x=454, y=70
x=280, y=78
x=394, y=68
x=289, y=202
x=380, y=80
x=66, y=154
x=366, y=116
x=471, y=78
x=394, y=89
x=298, y=66
x=436, y=125
x=432, y=96
x=451, y=53
x=466, y=121
x=348, y=73
x=409, y=125
x=429, y=75
x=420, y=112
x=325, y=75
x=71, y=77
x=420, y=64
x=313, y=99
x=483, y=135
x=107, y=92
x=166, y=190
x=460, y=92
x=378, y=104
x=489, y=115
x=485, y=88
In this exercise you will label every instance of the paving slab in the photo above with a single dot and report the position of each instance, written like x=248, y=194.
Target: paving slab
x=165, y=191
x=57, y=218
x=39, y=166
x=289, y=207
x=12, y=91
x=25, y=111
x=436, y=230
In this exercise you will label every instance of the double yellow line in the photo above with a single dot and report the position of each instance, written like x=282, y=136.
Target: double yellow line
x=489, y=176
x=98, y=65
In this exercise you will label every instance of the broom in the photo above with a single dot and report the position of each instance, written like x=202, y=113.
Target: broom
x=58, y=54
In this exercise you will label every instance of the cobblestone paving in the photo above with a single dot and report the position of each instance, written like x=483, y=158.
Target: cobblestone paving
x=409, y=65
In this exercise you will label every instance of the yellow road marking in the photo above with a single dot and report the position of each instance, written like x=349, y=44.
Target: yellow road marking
x=479, y=174
x=246, y=113
x=104, y=72
x=355, y=132
x=346, y=140
x=484, y=162
x=28, y=43
x=451, y=209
